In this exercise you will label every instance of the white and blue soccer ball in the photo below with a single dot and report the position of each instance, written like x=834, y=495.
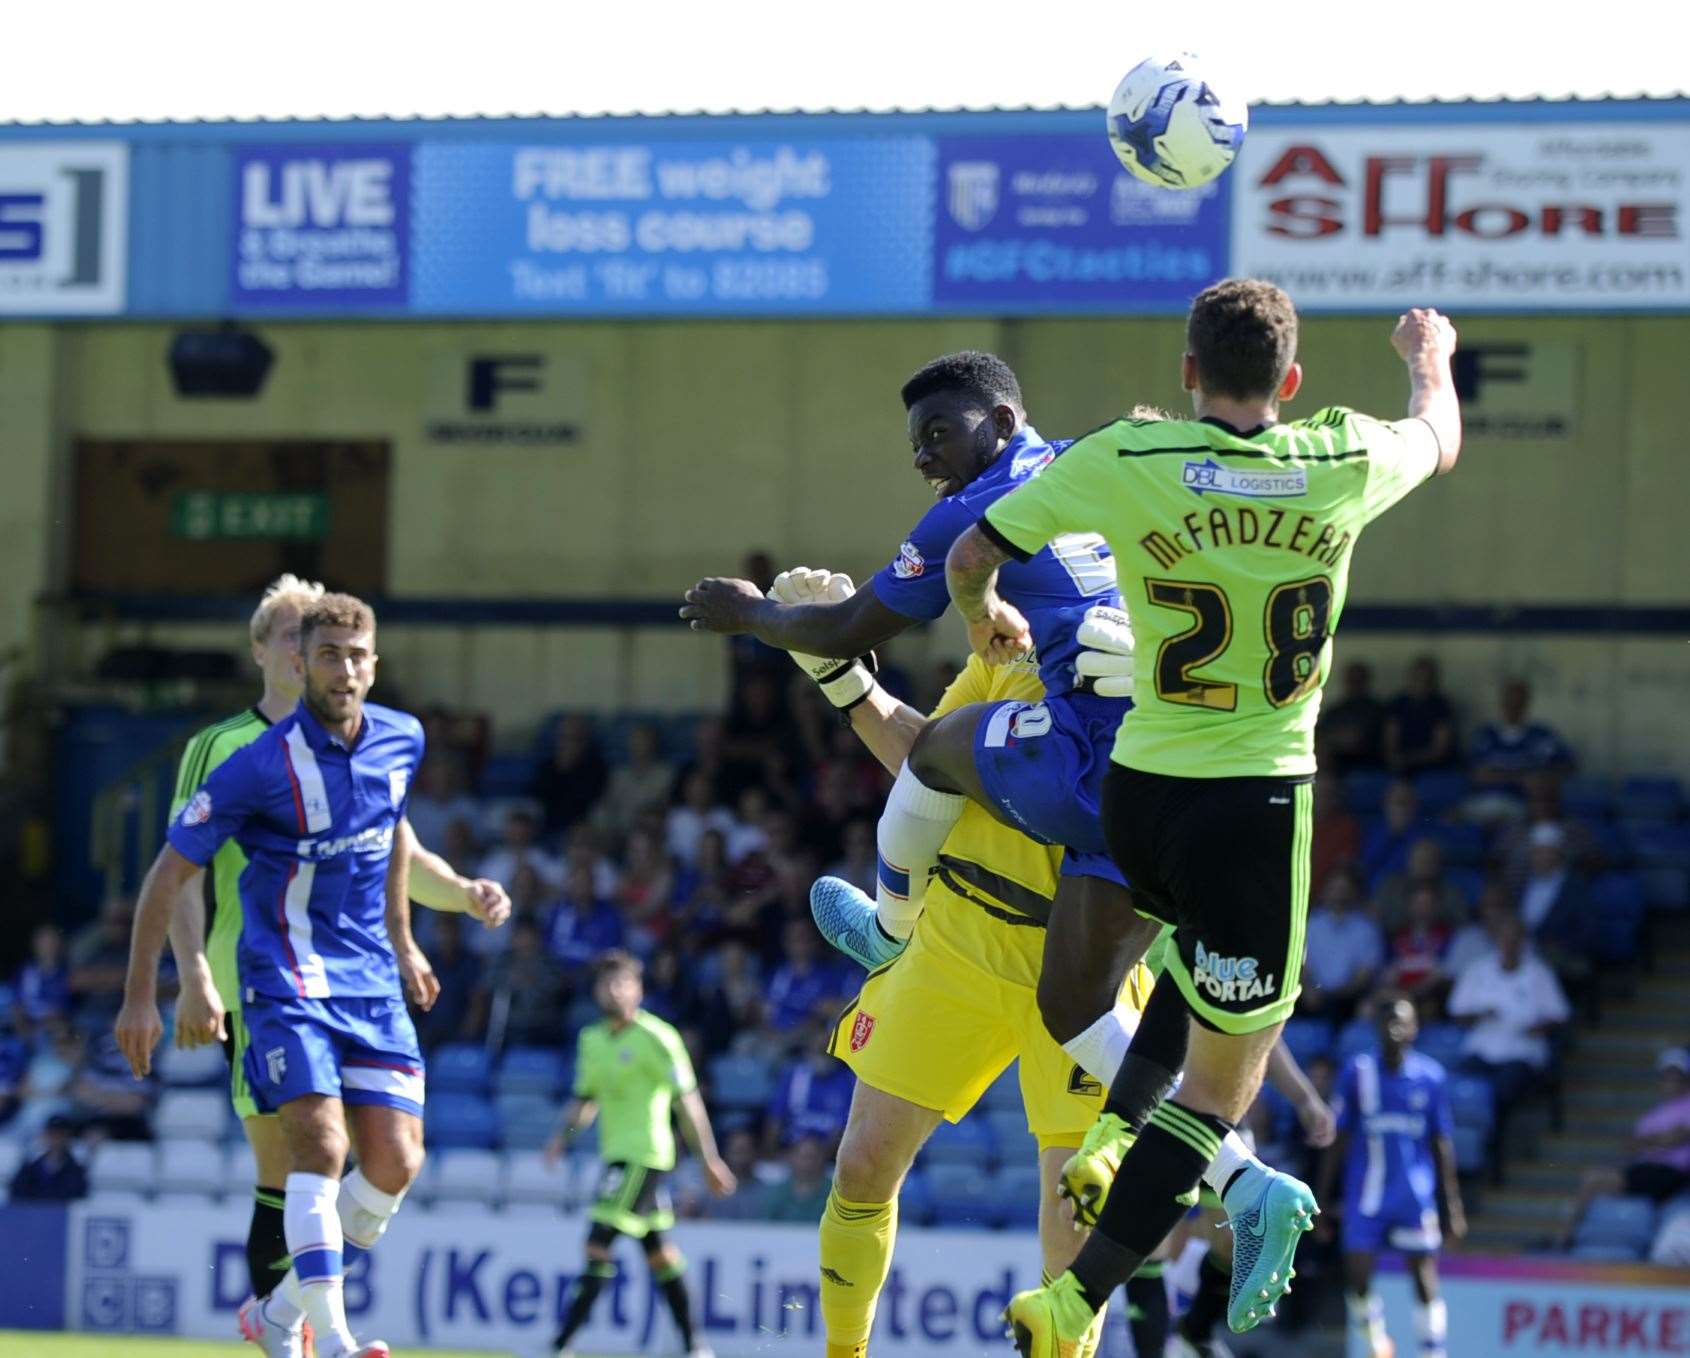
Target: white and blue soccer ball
x=1171, y=127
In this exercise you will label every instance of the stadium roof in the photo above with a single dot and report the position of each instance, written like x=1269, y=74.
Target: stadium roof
x=1675, y=103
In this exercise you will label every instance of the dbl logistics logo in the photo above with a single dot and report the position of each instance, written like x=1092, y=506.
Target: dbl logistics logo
x=62, y=228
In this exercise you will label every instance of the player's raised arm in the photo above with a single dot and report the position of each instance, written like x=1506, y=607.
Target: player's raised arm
x=138, y=1026
x=996, y=629
x=1426, y=341
x=841, y=631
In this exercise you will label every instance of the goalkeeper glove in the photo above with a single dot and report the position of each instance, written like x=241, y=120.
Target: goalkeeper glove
x=1106, y=655
x=845, y=682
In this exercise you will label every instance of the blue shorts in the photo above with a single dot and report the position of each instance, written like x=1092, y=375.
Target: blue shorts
x=357, y=1050
x=1042, y=764
x=1407, y=1225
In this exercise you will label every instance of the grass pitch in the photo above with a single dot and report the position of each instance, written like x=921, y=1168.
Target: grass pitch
x=38, y=1344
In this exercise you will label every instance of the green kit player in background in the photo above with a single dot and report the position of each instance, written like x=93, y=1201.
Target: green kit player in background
x=1232, y=533
x=631, y=1072
x=210, y=1005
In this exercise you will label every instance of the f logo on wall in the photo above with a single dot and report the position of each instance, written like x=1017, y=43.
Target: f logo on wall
x=63, y=228
x=506, y=399
x=973, y=193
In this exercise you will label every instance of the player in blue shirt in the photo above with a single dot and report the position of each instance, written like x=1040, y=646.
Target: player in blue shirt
x=1036, y=765
x=1395, y=1142
x=317, y=804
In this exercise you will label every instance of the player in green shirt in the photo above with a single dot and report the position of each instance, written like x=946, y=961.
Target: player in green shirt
x=209, y=1008
x=1232, y=533
x=631, y=1072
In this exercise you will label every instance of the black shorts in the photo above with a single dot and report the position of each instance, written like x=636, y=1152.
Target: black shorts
x=1644, y=1179
x=1226, y=862
x=632, y=1200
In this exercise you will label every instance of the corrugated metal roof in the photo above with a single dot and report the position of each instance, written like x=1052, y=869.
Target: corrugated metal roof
x=450, y=121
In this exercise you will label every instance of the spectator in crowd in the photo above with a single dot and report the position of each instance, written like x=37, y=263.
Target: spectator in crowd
x=440, y=797
x=1658, y=1150
x=1543, y=807
x=828, y=810
x=584, y=845
x=582, y=924
x=802, y=1195
x=1477, y=937
x=812, y=1095
x=860, y=865
x=99, y=960
x=646, y=892
x=55, y=1175
x=731, y=987
x=804, y=985
x=43, y=985
x=459, y=972
x=641, y=784
x=1505, y=751
x=573, y=777
x=703, y=891
x=1420, y=724
x=760, y=723
x=1422, y=870
x=520, y=1002
x=1415, y=965
x=748, y=833
x=1513, y=1004
x=1345, y=949
x=48, y=1077
x=1384, y=848
x=106, y=1094
x=697, y=813
x=745, y=1203
x=14, y=1061
x=519, y=847
x=1556, y=908
x=1352, y=729
x=1337, y=833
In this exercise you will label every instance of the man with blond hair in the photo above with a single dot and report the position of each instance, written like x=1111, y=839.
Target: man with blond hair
x=208, y=916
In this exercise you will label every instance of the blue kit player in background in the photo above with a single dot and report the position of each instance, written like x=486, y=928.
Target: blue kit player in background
x=1395, y=1142
x=1035, y=765
x=317, y=804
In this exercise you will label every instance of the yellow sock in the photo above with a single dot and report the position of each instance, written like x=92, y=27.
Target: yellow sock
x=856, y=1254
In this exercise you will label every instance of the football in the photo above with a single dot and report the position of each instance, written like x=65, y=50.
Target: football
x=1171, y=127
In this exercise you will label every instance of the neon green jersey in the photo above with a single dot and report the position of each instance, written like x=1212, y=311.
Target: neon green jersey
x=206, y=750
x=1233, y=552
x=634, y=1076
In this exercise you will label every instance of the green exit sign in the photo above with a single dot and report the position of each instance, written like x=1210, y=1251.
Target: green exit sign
x=208, y=515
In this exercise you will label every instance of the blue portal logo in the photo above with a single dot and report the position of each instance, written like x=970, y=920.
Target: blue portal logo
x=1208, y=475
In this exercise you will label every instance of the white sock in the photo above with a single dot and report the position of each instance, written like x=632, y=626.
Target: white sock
x=1100, y=1050
x=315, y=1240
x=1431, y=1323
x=365, y=1211
x=912, y=829
x=285, y=1306
x=1367, y=1319
x=1233, y=1156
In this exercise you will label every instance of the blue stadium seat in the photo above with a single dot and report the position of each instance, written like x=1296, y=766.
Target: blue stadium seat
x=1472, y=1100
x=1463, y=845
x=461, y=1121
x=962, y=1196
x=1307, y=1038
x=506, y=775
x=1004, y=1092
x=1606, y=1254
x=1651, y=797
x=1587, y=798
x=967, y=1143
x=1364, y=791
x=1441, y=1042
x=1470, y=882
x=1357, y=1036
x=1618, y=915
x=526, y=1121
x=458, y=1068
x=1622, y=1222
x=1440, y=790
x=1666, y=888
x=740, y=1082
x=1470, y=1150
x=915, y=1199
x=1608, y=840
x=1660, y=844
x=1015, y=1144
x=534, y=1070
x=1017, y=1190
